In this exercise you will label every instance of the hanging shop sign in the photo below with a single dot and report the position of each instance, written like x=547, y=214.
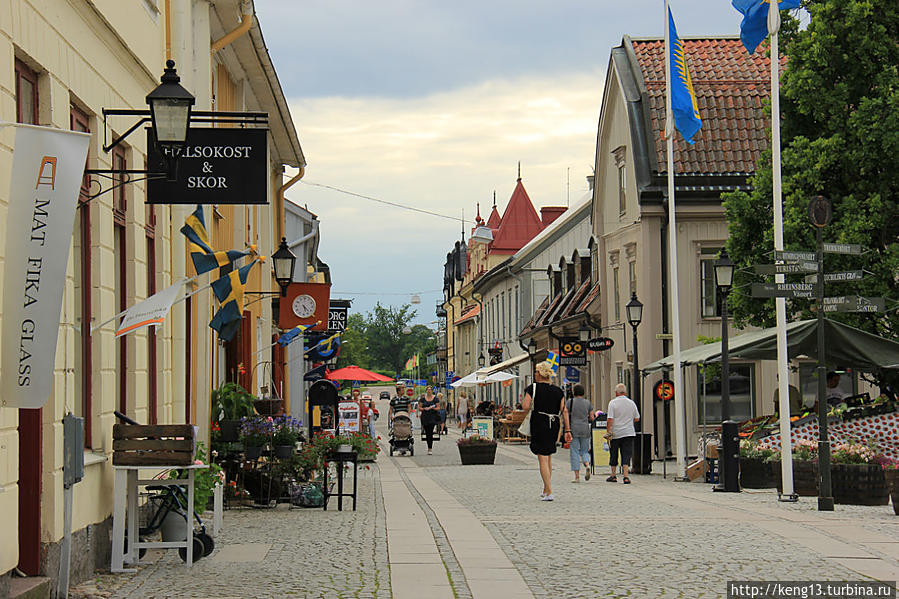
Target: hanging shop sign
x=217, y=166
x=45, y=179
x=305, y=303
x=574, y=352
x=336, y=319
x=600, y=344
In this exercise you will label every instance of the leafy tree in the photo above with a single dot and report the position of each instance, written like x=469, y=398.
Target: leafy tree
x=840, y=126
x=354, y=348
x=376, y=340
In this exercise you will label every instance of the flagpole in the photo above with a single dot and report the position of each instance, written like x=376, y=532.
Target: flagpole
x=783, y=389
x=679, y=416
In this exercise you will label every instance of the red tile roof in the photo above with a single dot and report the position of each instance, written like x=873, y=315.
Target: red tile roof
x=468, y=313
x=494, y=219
x=731, y=89
x=518, y=225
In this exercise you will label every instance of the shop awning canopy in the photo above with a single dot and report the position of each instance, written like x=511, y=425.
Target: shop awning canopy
x=845, y=346
x=355, y=373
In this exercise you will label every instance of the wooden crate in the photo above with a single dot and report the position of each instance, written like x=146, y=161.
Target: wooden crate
x=153, y=445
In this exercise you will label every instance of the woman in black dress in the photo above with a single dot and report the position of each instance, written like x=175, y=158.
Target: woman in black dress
x=549, y=415
x=430, y=417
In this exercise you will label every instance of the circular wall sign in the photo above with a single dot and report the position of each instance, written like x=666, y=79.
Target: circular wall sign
x=664, y=390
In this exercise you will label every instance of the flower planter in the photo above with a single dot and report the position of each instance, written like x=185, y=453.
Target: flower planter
x=477, y=454
x=269, y=407
x=756, y=474
x=892, y=478
x=252, y=453
x=858, y=484
x=284, y=452
x=805, y=477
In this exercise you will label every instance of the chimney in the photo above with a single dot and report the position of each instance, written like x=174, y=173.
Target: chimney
x=550, y=213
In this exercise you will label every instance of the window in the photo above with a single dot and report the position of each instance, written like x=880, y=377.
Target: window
x=808, y=382
x=742, y=392
x=119, y=206
x=502, y=328
x=26, y=95
x=621, y=165
x=709, y=297
x=83, y=258
x=616, y=295
x=632, y=277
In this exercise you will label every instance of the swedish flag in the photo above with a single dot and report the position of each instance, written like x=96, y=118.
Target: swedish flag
x=285, y=339
x=553, y=359
x=754, y=28
x=229, y=291
x=683, y=99
x=204, y=262
x=195, y=230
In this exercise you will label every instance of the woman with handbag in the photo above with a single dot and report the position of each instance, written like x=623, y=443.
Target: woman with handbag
x=548, y=415
x=430, y=416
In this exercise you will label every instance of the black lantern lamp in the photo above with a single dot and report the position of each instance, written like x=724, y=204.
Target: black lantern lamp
x=724, y=272
x=284, y=261
x=584, y=332
x=634, y=310
x=482, y=360
x=170, y=106
x=730, y=465
x=532, y=348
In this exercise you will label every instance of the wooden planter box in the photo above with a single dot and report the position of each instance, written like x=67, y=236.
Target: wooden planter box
x=892, y=478
x=859, y=484
x=153, y=445
x=756, y=474
x=805, y=478
x=477, y=454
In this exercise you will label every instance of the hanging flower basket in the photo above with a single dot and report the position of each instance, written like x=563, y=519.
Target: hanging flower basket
x=284, y=452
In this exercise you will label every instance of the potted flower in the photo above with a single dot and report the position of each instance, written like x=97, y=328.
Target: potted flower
x=285, y=436
x=805, y=469
x=476, y=450
x=230, y=403
x=755, y=465
x=255, y=433
x=855, y=478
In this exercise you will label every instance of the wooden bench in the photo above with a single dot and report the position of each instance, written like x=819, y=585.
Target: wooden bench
x=509, y=430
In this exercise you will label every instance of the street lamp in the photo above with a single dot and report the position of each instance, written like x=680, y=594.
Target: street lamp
x=584, y=332
x=532, y=348
x=284, y=261
x=170, y=111
x=482, y=360
x=641, y=459
x=729, y=471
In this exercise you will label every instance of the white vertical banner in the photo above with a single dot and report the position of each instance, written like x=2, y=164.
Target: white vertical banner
x=47, y=168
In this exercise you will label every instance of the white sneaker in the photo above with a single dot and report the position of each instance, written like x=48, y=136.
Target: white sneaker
x=430, y=452
x=547, y=498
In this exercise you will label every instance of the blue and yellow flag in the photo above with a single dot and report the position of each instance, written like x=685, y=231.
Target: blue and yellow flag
x=229, y=291
x=285, y=339
x=204, y=262
x=754, y=28
x=553, y=359
x=683, y=98
x=195, y=230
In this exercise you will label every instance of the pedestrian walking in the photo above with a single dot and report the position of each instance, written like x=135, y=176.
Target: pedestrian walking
x=580, y=414
x=429, y=408
x=622, y=414
x=372, y=416
x=549, y=415
x=442, y=411
x=399, y=403
x=462, y=409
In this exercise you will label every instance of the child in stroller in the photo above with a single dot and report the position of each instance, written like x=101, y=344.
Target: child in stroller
x=401, y=438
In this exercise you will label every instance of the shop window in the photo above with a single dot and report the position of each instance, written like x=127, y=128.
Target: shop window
x=742, y=392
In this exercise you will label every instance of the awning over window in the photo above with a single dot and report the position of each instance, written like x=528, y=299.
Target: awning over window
x=503, y=365
x=469, y=313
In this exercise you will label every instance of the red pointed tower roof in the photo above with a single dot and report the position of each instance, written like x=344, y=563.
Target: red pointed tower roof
x=518, y=225
x=494, y=219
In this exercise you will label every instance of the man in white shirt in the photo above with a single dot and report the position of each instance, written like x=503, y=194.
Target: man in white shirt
x=621, y=416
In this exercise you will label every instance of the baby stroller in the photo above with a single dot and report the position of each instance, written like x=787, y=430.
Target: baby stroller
x=401, y=438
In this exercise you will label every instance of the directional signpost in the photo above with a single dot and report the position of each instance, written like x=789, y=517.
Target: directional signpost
x=837, y=277
x=790, y=290
x=843, y=248
x=854, y=303
x=794, y=256
x=787, y=268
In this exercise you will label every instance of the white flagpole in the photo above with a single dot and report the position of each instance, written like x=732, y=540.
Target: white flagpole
x=679, y=404
x=786, y=462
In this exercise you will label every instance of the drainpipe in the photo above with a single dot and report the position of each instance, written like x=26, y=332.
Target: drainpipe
x=246, y=21
x=281, y=199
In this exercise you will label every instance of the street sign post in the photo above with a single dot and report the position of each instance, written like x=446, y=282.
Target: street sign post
x=853, y=249
x=837, y=277
x=794, y=256
x=786, y=269
x=789, y=290
x=854, y=303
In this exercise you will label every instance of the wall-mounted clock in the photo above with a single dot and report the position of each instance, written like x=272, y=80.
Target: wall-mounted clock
x=304, y=306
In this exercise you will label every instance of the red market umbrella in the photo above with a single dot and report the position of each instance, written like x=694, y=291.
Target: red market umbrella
x=355, y=373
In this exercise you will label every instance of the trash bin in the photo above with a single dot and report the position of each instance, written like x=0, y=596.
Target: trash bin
x=642, y=459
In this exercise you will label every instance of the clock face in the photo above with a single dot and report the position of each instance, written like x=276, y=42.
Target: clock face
x=304, y=306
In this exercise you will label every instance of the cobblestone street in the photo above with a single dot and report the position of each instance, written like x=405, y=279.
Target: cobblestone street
x=428, y=527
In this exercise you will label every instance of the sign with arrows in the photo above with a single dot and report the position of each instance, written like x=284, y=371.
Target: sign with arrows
x=793, y=256
x=786, y=269
x=854, y=303
x=837, y=277
x=788, y=290
x=853, y=249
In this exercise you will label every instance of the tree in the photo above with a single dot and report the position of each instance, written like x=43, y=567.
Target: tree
x=354, y=348
x=840, y=114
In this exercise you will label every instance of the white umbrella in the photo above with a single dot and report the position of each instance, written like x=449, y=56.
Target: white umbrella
x=479, y=378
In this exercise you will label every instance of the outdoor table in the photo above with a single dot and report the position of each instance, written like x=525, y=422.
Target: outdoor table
x=344, y=454
x=125, y=508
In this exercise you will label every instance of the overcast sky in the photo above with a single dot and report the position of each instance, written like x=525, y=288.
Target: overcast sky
x=432, y=104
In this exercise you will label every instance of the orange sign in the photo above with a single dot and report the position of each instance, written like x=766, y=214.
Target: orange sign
x=664, y=390
x=305, y=303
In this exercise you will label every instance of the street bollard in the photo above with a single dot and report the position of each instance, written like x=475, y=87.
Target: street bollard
x=730, y=456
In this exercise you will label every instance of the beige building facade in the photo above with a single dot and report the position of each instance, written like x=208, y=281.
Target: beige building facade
x=64, y=62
